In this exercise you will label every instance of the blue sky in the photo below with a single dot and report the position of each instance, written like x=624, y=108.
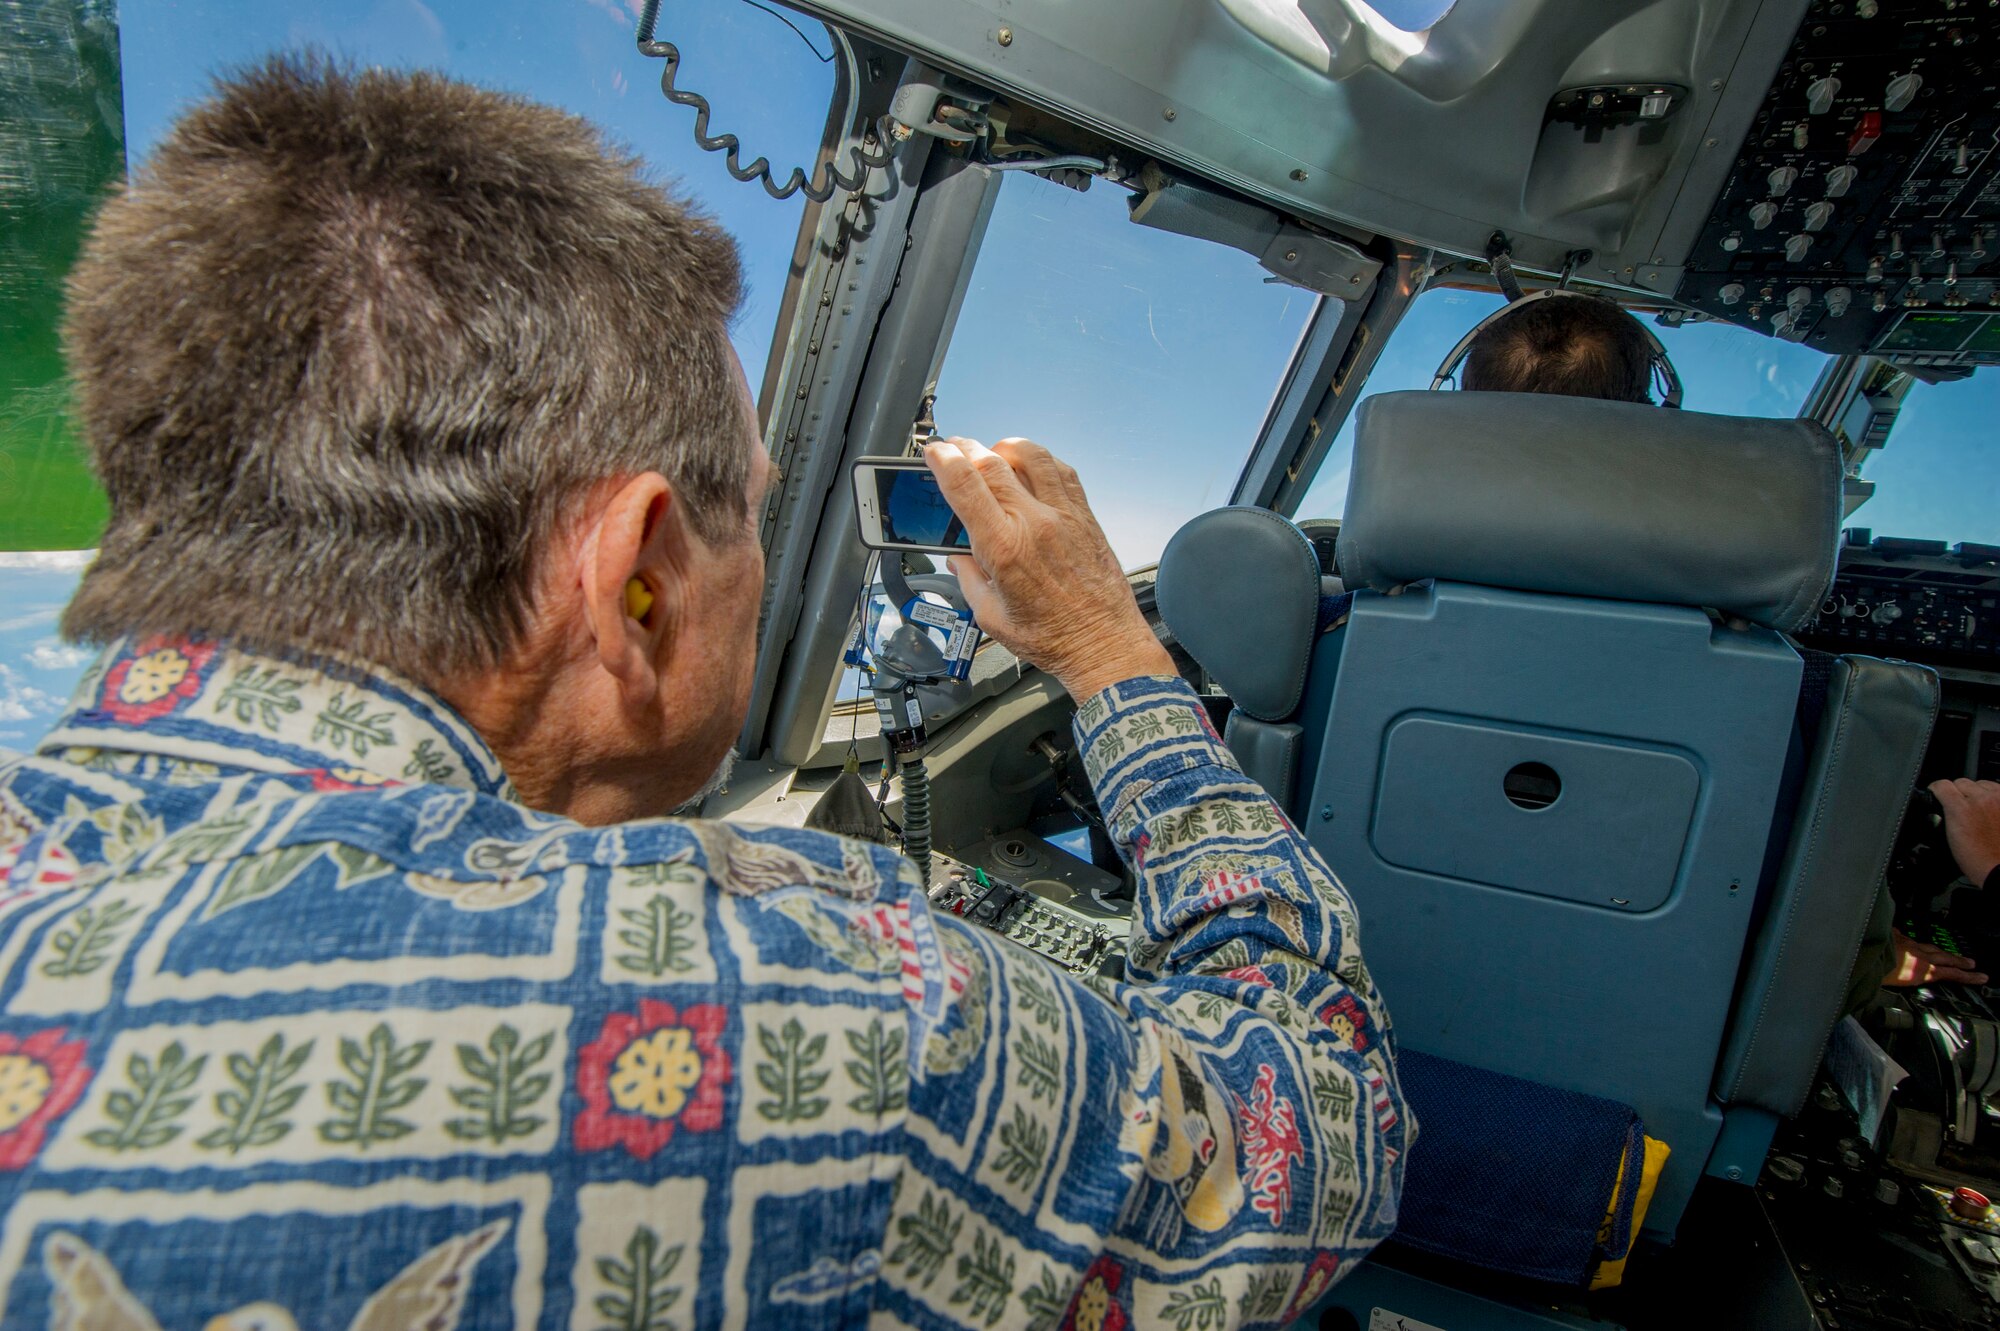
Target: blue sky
x=1146, y=359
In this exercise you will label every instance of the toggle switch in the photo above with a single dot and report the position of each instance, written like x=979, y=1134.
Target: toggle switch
x=1866, y=131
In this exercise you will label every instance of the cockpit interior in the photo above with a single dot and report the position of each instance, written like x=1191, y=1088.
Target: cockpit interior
x=1615, y=719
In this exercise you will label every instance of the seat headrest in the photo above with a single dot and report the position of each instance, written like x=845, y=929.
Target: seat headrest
x=1239, y=588
x=1583, y=497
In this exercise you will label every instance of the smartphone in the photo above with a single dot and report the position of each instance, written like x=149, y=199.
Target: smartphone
x=901, y=508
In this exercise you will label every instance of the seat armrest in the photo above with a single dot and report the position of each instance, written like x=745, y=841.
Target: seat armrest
x=1875, y=728
x=1268, y=753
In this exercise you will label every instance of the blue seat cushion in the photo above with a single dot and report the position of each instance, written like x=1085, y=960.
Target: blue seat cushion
x=1512, y=1175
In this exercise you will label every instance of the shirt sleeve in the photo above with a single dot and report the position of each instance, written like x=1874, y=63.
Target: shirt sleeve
x=1213, y=1140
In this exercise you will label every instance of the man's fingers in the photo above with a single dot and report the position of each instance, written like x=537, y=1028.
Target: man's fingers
x=965, y=487
x=997, y=472
x=1036, y=466
x=981, y=597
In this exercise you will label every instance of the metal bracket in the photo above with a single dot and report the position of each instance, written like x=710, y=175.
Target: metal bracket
x=1290, y=252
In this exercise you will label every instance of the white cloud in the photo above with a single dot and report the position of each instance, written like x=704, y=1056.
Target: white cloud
x=59, y=561
x=24, y=702
x=49, y=654
x=30, y=619
x=624, y=15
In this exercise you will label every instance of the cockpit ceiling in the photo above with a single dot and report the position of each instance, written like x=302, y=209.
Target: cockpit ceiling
x=1601, y=125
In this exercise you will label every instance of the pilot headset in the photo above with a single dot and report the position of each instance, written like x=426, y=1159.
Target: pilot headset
x=1498, y=254
x=1665, y=381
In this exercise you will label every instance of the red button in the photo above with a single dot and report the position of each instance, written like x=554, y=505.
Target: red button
x=1864, y=135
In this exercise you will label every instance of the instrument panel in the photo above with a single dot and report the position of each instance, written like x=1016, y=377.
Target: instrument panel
x=1932, y=603
x=1863, y=213
x=1044, y=915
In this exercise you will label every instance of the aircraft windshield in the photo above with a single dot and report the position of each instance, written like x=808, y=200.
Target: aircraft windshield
x=1145, y=359
x=1413, y=15
x=1939, y=475
x=1724, y=369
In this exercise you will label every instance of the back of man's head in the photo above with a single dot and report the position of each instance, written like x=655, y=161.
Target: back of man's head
x=1576, y=346
x=351, y=346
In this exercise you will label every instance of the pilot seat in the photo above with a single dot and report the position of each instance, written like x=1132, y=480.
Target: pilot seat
x=1612, y=844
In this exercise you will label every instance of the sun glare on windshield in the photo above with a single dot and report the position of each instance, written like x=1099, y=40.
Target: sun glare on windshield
x=1412, y=15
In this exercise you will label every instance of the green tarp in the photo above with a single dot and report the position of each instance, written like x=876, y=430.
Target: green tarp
x=62, y=145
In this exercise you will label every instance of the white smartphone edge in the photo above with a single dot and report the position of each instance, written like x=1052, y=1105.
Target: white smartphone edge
x=870, y=520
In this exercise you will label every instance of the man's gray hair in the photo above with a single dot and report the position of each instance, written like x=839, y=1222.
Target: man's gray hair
x=350, y=347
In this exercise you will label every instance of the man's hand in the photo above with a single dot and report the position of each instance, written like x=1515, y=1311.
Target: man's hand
x=1041, y=578
x=1912, y=963
x=1971, y=824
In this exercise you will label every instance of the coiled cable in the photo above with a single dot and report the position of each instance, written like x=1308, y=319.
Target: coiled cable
x=915, y=780
x=818, y=190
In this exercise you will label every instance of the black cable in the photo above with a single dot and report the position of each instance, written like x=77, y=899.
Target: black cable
x=780, y=15
x=861, y=650
x=819, y=191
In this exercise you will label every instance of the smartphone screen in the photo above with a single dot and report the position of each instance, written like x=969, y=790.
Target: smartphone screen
x=914, y=511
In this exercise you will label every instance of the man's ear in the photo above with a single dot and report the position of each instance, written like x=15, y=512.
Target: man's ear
x=631, y=574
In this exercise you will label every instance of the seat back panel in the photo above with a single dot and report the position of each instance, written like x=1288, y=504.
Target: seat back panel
x=1537, y=970
x=1620, y=813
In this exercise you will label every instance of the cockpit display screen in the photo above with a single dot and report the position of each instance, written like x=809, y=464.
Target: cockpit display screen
x=1931, y=330
x=914, y=511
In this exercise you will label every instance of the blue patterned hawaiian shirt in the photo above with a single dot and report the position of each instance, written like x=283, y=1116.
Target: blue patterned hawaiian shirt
x=306, y=1022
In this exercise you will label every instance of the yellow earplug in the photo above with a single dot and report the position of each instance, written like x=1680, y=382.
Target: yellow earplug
x=637, y=599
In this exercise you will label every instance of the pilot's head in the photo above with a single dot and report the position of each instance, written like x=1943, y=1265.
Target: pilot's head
x=1576, y=346
x=387, y=365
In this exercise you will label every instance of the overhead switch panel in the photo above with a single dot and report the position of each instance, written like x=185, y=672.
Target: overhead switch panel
x=1872, y=166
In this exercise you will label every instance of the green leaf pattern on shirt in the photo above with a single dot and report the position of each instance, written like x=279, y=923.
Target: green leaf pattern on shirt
x=84, y=944
x=347, y=725
x=925, y=1239
x=264, y=696
x=147, y=1116
x=661, y=935
x=878, y=1068
x=504, y=1087
x=788, y=1074
x=254, y=1114
x=642, y=1294
x=985, y=1279
x=378, y=1082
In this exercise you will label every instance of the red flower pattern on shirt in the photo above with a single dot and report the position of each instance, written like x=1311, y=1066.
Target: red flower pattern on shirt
x=1318, y=1279
x=1096, y=1305
x=1271, y=1145
x=40, y=1078
x=346, y=778
x=645, y=1075
x=161, y=675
